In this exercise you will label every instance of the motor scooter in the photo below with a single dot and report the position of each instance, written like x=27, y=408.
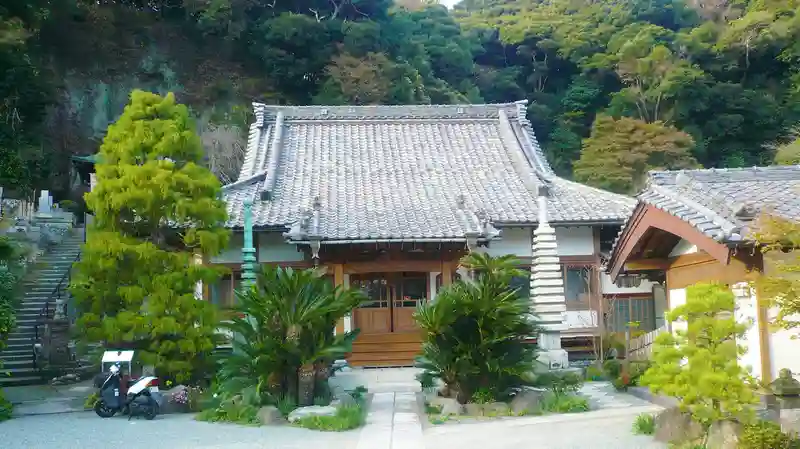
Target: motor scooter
x=134, y=398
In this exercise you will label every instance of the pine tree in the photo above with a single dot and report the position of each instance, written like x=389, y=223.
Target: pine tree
x=699, y=366
x=155, y=210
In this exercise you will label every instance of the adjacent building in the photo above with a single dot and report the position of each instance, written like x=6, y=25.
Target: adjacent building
x=696, y=226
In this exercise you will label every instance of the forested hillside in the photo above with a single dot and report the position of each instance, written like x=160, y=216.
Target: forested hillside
x=615, y=86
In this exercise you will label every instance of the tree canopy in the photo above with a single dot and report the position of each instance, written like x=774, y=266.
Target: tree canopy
x=727, y=73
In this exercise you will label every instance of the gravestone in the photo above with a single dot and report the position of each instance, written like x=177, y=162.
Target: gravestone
x=45, y=203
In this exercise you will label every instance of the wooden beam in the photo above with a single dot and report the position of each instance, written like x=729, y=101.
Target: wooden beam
x=646, y=264
x=447, y=274
x=338, y=280
x=646, y=217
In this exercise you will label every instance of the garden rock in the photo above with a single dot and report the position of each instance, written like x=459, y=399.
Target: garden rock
x=473, y=409
x=448, y=406
x=525, y=401
x=343, y=400
x=312, y=410
x=724, y=435
x=496, y=409
x=269, y=415
x=675, y=426
x=790, y=421
x=167, y=406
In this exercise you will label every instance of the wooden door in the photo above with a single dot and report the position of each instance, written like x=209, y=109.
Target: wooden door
x=412, y=290
x=375, y=315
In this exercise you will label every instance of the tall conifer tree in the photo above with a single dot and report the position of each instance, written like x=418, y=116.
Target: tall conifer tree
x=156, y=209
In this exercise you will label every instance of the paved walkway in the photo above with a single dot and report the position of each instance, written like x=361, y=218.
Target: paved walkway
x=602, y=395
x=393, y=423
x=602, y=429
x=85, y=430
x=48, y=399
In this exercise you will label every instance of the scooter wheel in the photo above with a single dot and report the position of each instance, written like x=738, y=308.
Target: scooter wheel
x=103, y=410
x=151, y=410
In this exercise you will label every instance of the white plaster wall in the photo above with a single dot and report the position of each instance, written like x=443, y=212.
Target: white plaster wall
x=581, y=319
x=747, y=312
x=233, y=253
x=784, y=350
x=576, y=241
x=515, y=241
x=683, y=247
x=609, y=288
x=677, y=297
x=272, y=247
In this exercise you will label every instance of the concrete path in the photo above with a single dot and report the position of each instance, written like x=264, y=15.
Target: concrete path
x=48, y=399
x=602, y=429
x=86, y=430
x=602, y=395
x=392, y=423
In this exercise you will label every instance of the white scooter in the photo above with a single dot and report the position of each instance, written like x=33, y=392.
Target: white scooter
x=136, y=399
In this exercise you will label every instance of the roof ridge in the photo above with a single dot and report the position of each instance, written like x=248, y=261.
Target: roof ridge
x=332, y=112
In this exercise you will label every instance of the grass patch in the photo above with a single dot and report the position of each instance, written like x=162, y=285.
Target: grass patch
x=346, y=418
x=6, y=408
x=230, y=411
x=645, y=424
x=91, y=400
x=564, y=403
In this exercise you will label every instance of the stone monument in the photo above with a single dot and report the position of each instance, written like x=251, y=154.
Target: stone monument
x=549, y=305
x=45, y=203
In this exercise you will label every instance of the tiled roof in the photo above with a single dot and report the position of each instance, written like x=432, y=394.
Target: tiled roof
x=722, y=203
x=403, y=172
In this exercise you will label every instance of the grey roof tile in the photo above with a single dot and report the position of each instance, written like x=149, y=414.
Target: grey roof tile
x=403, y=172
x=710, y=199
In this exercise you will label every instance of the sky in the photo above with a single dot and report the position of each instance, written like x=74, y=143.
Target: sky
x=449, y=3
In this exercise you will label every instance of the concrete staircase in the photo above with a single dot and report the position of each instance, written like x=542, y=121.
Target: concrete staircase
x=48, y=276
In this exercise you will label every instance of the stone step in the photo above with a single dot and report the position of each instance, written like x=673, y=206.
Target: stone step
x=15, y=352
x=9, y=364
x=5, y=358
x=20, y=381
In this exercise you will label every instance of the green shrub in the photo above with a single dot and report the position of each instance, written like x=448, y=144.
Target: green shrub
x=564, y=403
x=231, y=411
x=645, y=424
x=766, y=435
x=613, y=368
x=91, y=400
x=483, y=396
x=286, y=405
x=346, y=418
x=594, y=373
x=477, y=330
x=6, y=408
x=559, y=383
x=359, y=393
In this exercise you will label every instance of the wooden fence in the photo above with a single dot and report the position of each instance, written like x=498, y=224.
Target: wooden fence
x=642, y=346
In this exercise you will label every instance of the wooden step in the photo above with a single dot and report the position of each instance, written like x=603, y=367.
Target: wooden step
x=393, y=337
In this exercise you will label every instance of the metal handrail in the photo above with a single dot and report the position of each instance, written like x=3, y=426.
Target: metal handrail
x=47, y=311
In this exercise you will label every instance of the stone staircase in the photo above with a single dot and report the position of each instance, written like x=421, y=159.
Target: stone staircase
x=48, y=277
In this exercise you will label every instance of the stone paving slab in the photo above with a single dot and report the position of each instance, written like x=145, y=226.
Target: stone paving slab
x=603, y=395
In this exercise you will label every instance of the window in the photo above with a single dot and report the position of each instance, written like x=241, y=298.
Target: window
x=576, y=283
x=221, y=293
x=522, y=283
x=375, y=287
x=413, y=289
x=625, y=310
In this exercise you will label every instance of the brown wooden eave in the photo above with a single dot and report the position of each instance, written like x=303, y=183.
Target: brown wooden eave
x=651, y=234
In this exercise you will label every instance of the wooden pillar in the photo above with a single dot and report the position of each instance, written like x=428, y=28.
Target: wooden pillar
x=447, y=274
x=338, y=280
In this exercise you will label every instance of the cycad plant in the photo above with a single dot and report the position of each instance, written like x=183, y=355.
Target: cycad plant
x=476, y=332
x=284, y=342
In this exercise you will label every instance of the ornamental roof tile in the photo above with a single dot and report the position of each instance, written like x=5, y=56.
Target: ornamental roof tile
x=403, y=173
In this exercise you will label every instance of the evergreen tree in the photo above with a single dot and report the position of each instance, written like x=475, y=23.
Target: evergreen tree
x=699, y=366
x=156, y=209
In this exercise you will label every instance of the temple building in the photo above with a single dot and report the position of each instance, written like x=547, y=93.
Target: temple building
x=389, y=198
